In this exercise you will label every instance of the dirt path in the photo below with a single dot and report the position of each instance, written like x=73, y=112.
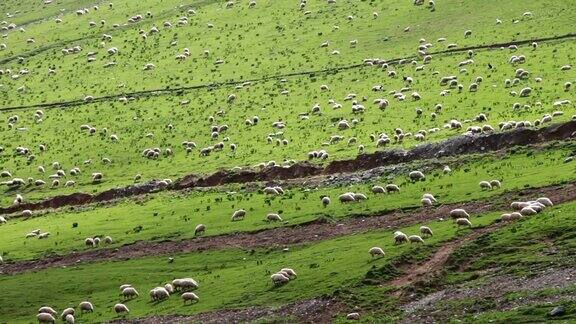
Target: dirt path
x=318, y=310
x=286, y=236
x=455, y=146
x=433, y=265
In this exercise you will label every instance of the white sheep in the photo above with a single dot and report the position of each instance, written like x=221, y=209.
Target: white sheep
x=190, y=296
x=426, y=202
x=279, y=279
x=48, y=310
x=121, y=308
x=400, y=237
x=346, y=198
x=463, y=222
x=325, y=201
x=425, y=230
x=545, y=201
x=200, y=229
x=376, y=251
x=159, y=294
x=392, y=188
x=238, y=215
x=353, y=316
x=378, y=190
x=416, y=176
x=130, y=292
x=485, y=185
x=459, y=213
x=86, y=307
x=69, y=318
x=45, y=318
x=273, y=217
x=415, y=239
x=66, y=312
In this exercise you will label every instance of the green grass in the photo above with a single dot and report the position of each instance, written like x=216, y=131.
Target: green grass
x=229, y=278
x=174, y=216
x=276, y=54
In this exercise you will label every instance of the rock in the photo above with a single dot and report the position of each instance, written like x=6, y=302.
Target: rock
x=557, y=311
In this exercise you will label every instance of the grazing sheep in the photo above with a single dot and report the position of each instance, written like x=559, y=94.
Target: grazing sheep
x=108, y=240
x=238, y=215
x=346, y=198
x=45, y=318
x=528, y=211
x=459, y=213
x=70, y=319
x=169, y=288
x=353, y=317
x=545, y=201
x=415, y=239
x=47, y=310
x=200, y=229
x=191, y=297
x=325, y=201
x=495, y=184
x=374, y=251
x=425, y=230
x=129, y=293
x=416, y=176
x=378, y=190
x=463, y=222
x=159, y=294
x=485, y=185
x=392, y=188
x=429, y=196
x=185, y=284
x=400, y=237
x=426, y=202
x=86, y=307
x=273, y=217
x=121, y=308
x=279, y=279
x=66, y=312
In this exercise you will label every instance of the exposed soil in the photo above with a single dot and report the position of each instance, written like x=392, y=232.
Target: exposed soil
x=308, y=311
x=285, y=236
x=463, y=144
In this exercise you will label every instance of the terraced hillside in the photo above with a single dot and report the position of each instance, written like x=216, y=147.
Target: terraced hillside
x=287, y=161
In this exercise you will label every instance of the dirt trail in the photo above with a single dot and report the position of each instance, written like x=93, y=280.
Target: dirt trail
x=433, y=265
x=285, y=236
x=463, y=144
x=318, y=310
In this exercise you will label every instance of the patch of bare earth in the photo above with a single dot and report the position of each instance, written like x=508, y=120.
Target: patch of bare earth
x=286, y=236
x=318, y=310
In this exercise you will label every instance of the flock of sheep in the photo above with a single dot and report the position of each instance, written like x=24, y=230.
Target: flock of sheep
x=185, y=286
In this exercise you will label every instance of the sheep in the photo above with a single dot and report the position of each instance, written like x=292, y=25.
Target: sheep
x=159, y=294
x=545, y=201
x=459, y=213
x=353, y=316
x=425, y=230
x=415, y=239
x=2, y=220
x=378, y=190
x=86, y=307
x=273, y=217
x=463, y=222
x=26, y=213
x=89, y=242
x=190, y=296
x=416, y=176
x=169, y=288
x=359, y=197
x=346, y=198
x=66, y=312
x=325, y=201
x=376, y=251
x=185, y=284
x=279, y=279
x=485, y=185
x=525, y=92
x=426, y=202
x=69, y=319
x=528, y=211
x=200, y=229
x=121, y=308
x=392, y=188
x=47, y=310
x=129, y=293
x=238, y=215
x=45, y=318
x=430, y=197
x=495, y=183
x=108, y=240
x=400, y=237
